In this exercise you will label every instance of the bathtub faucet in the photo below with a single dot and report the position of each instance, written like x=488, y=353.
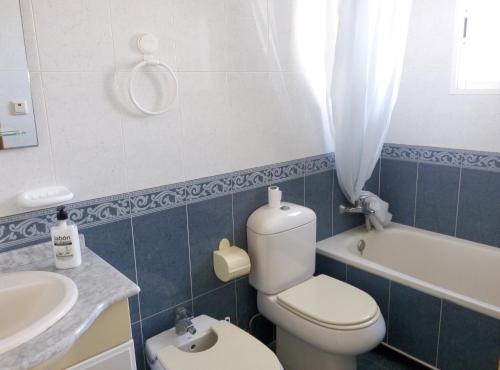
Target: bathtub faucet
x=360, y=206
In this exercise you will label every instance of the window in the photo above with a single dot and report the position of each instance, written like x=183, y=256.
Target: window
x=477, y=50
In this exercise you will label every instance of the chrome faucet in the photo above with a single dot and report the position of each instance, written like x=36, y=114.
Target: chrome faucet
x=360, y=206
x=183, y=323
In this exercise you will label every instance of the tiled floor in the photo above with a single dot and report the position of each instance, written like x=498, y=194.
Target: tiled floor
x=383, y=358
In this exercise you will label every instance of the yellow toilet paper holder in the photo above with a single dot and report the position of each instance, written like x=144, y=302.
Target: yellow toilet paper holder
x=230, y=262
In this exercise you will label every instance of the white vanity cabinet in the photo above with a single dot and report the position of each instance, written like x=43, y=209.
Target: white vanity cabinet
x=118, y=358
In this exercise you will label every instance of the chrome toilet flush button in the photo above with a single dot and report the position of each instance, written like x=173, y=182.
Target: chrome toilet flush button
x=284, y=208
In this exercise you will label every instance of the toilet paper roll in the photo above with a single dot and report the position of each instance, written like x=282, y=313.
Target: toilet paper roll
x=274, y=196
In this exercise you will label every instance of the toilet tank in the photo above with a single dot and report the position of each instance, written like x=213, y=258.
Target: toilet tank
x=282, y=246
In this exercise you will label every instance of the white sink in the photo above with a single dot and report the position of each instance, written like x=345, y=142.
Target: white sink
x=31, y=302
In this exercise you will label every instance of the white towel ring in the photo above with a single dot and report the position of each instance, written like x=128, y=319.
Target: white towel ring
x=147, y=44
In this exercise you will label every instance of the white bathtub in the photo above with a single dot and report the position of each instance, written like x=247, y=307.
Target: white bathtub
x=460, y=271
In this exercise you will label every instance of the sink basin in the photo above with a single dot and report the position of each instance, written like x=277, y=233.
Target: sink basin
x=31, y=302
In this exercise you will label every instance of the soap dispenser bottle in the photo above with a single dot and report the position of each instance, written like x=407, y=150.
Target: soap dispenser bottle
x=66, y=242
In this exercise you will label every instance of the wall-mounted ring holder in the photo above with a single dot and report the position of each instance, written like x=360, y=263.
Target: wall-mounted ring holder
x=148, y=44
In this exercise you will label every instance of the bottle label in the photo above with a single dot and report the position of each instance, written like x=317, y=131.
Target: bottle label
x=63, y=246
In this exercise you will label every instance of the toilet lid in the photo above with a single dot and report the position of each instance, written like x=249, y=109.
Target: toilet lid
x=330, y=303
x=235, y=349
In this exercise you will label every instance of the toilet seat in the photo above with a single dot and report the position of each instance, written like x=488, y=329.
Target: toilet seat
x=330, y=303
x=235, y=350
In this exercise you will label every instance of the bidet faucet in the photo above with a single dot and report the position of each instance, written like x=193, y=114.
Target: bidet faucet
x=183, y=323
x=360, y=206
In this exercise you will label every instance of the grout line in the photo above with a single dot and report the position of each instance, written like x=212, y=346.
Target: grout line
x=439, y=331
x=232, y=217
x=333, y=205
x=458, y=202
x=416, y=196
x=379, y=175
x=135, y=265
x=165, y=310
x=189, y=255
x=236, y=302
x=213, y=290
x=388, y=311
x=142, y=345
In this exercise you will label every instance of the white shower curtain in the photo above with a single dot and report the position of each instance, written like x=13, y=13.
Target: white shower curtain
x=370, y=50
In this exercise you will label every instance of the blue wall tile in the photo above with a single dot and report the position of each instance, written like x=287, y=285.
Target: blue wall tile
x=133, y=304
x=113, y=243
x=329, y=266
x=398, y=187
x=139, y=352
x=293, y=191
x=374, y=181
x=162, y=254
x=343, y=222
x=374, y=285
x=414, y=322
x=469, y=340
x=246, y=296
x=219, y=304
x=244, y=203
x=162, y=321
x=262, y=329
x=479, y=213
x=319, y=197
x=209, y=222
x=437, y=197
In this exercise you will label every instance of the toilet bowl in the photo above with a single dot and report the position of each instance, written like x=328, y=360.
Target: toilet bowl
x=216, y=345
x=321, y=323
x=323, y=320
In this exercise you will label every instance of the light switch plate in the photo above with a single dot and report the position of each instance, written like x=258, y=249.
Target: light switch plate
x=19, y=107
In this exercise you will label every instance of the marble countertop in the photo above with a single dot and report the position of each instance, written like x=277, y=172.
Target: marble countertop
x=99, y=286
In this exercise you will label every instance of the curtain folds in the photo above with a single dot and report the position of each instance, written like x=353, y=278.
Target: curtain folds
x=370, y=49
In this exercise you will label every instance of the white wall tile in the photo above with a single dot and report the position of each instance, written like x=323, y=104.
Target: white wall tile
x=131, y=18
x=86, y=134
x=231, y=113
x=74, y=35
x=30, y=41
x=247, y=41
x=153, y=145
x=267, y=115
x=426, y=113
x=206, y=124
x=200, y=35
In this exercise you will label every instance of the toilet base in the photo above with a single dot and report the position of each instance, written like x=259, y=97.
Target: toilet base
x=295, y=354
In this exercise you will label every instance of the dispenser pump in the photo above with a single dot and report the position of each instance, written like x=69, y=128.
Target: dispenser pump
x=62, y=215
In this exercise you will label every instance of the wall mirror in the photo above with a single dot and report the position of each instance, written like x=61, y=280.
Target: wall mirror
x=17, y=119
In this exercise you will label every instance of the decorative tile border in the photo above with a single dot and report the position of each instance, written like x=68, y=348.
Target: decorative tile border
x=22, y=229
x=449, y=157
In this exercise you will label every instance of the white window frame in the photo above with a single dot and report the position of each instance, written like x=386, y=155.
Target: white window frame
x=455, y=89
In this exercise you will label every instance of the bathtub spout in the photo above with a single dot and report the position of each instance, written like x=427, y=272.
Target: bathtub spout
x=360, y=206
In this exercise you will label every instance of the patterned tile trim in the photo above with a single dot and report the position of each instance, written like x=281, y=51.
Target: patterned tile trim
x=157, y=199
x=449, y=157
x=27, y=228
x=486, y=161
x=34, y=226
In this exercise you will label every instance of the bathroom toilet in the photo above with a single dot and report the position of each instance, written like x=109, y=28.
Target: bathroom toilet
x=321, y=323
x=216, y=345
